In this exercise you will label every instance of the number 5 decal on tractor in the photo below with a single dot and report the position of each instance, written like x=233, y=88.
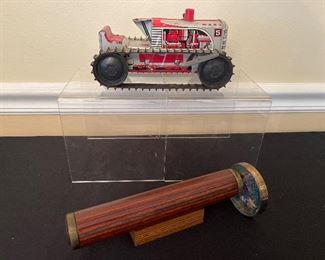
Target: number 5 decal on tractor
x=217, y=32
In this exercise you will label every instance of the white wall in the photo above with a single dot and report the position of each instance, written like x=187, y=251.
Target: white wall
x=46, y=41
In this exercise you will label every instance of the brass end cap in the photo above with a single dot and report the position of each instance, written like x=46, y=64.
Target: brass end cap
x=252, y=198
x=72, y=230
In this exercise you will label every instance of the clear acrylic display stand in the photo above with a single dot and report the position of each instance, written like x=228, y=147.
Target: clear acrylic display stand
x=159, y=135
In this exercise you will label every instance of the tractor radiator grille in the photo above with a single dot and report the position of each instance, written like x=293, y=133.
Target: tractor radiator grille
x=156, y=38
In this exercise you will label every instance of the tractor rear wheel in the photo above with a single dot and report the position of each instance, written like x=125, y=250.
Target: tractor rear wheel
x=216, y=73
x=110, y=69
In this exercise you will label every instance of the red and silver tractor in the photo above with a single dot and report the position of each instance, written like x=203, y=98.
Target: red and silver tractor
x=169, y=46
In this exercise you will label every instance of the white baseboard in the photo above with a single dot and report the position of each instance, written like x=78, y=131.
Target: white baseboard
x=41, y=98
x=296, y=97
x=30, y=98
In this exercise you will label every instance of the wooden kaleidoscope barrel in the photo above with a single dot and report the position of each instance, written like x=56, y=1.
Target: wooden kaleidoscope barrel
x=242, y=183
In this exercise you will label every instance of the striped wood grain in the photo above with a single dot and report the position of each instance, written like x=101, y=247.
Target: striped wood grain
x=154, y=206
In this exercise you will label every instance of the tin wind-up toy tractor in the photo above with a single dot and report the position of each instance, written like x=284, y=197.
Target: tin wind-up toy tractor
x=169, y=46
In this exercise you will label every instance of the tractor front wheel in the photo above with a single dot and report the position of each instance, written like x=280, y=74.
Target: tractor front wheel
x=216, y=73
x=110, y=69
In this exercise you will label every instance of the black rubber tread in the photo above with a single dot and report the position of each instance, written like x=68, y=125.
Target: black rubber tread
x=123, y=53
x=153, y=87
x=127, y=50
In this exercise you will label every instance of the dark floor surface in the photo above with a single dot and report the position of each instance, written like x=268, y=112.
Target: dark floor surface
x=36, y=193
